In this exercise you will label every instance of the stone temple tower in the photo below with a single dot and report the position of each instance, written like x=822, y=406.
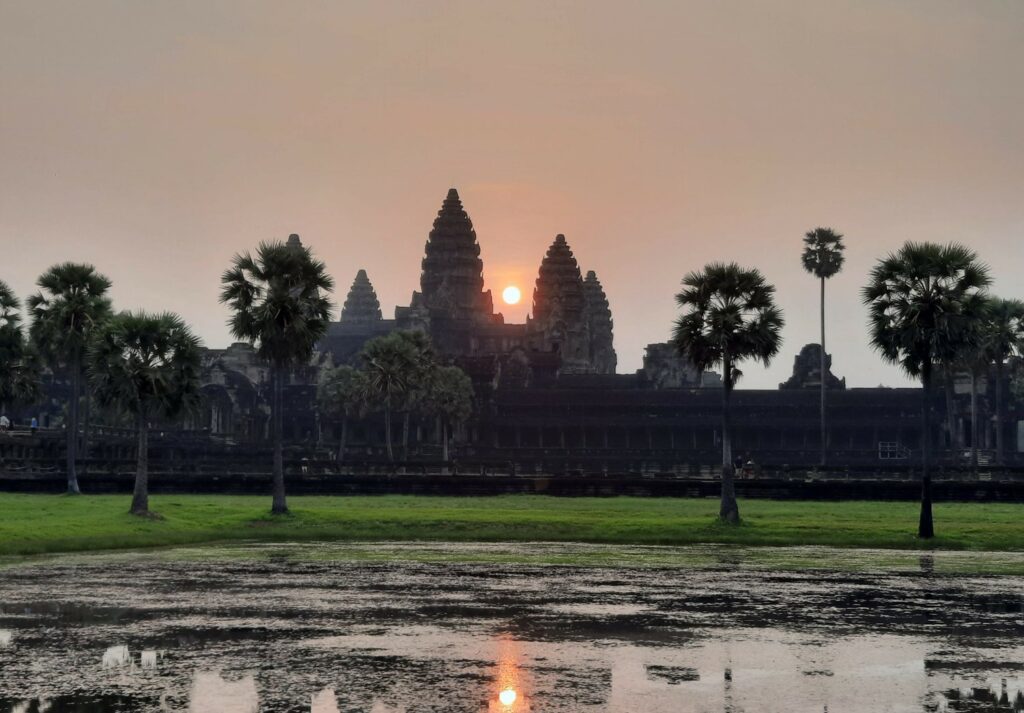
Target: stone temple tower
x=361, y=306
x=452, y=280
x=452, y=301
x=599, y=322
x=559, y=321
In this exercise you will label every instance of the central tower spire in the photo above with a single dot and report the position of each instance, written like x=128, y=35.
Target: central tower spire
x=452, y=281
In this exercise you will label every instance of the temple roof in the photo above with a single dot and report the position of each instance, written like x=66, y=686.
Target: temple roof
x=362, y=304
x=559, y=284
x=452, y=278
x=599, y=312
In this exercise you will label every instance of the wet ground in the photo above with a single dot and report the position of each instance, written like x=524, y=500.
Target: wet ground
x=407, y=629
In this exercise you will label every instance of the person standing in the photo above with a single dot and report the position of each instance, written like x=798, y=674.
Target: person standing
x=34, y=425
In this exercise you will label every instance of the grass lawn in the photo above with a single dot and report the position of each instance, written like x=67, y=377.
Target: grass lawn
x=32, y=524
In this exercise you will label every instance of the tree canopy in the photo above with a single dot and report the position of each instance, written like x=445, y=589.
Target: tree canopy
x=823, y=252
x=922, y=302
x=279, y=301
x=71, y=303
x=146, y=363
x=730, y=315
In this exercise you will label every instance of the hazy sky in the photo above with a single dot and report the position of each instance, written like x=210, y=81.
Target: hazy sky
x=157, y=139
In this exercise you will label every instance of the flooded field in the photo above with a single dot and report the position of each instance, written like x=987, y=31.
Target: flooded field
x=409, y=629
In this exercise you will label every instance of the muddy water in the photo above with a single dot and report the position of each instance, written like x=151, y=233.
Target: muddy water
x=386, y=629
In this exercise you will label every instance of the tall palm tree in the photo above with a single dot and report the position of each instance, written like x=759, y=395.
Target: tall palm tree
x=71, y=304
x=449, y=395
x=823, y=258
x=730, y=316
x=147, y=365
x=973, y=354
x=10, y=317
x=919, y=298
x=1004, y=339
x=391, y=364
x=342, y=393
x=19, y=373
x=413, y=398
x=280, y=307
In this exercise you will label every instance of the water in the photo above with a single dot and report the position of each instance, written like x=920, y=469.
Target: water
x=322, y=629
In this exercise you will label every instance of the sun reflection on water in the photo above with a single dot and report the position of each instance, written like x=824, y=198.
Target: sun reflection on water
x=509, y=683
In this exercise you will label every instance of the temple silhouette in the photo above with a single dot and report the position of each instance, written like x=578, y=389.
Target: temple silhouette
x=548, y=397
x=548, y=391
x=568, y=332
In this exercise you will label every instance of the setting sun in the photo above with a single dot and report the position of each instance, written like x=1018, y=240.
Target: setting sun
x=511, y=295
x=507, y=697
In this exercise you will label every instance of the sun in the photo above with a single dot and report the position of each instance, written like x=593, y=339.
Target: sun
x=508, y=696
x=511, y=295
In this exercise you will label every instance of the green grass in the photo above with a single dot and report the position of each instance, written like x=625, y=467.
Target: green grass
x=36, y=524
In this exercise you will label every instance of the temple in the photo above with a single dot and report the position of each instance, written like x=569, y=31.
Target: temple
x=569, y=331
x=550, y=386
x=548, y=396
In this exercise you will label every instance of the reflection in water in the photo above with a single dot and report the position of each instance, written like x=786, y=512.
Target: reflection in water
x=381, y=707
x=273, y=633
x=212, y=694
x=509, y=681
x=324, y=702
x=116, y=656
x=71, y=704
x=999, y=696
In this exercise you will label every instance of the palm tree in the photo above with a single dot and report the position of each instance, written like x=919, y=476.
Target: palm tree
x=449, y=395
x=730, y=316
x=11, y=335
x=342, y=393
x=147, y=365
x=391, y=364
x=412, y=399
x=1005, y=339
x=280, y=307
x=823, y=258
x=19, y=373
x=919, y=299
x=973, y=354
x=71, y=304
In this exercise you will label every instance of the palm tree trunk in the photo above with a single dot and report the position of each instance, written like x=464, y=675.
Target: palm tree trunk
x=974, y=419
x=280, y=505
x=72, y=445
x=954, y=442
x=444, y=441
x=344, y=438
x=729, y=510
x=999, y=412
x=86, y=426
x=387, y=428
x=926, y=526
x=405, y=436
x=140, y=498
x=824, y=429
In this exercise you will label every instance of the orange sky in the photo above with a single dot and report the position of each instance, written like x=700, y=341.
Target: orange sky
x=157, y=139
